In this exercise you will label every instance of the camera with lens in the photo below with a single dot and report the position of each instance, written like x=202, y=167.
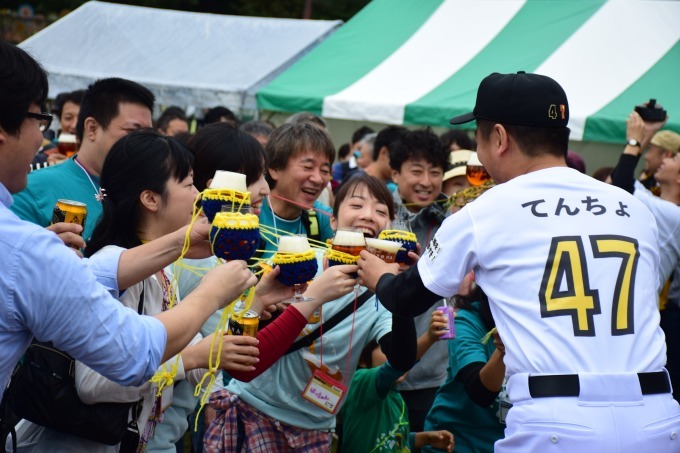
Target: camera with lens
x=651, y=112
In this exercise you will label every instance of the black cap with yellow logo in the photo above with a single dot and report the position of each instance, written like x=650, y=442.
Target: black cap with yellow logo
x=521, y=99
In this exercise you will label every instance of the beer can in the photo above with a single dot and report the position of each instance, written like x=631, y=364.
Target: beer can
x=316, y=316
x=451, y=327
x=248, y=325
x=69, y=211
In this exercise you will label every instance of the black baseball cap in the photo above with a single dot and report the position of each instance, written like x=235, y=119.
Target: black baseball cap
x=521, y=99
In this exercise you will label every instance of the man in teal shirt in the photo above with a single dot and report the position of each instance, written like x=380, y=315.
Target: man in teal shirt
x=300, y=158
x=111, y=108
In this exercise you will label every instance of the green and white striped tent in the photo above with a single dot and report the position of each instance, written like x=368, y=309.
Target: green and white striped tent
x=420, y=61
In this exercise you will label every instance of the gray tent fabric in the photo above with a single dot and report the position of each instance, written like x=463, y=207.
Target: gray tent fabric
x=184, y=58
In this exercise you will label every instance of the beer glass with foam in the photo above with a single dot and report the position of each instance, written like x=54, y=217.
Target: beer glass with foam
x=348, y=240
x=385, y=250
x=400, y=231
x=475, y=172
x=67, y=144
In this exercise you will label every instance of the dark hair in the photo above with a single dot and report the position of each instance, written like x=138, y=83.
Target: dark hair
x=575, y=161
x=141, y=160
x=386, y=138
x=343, y=151
x=477, y=295
x=306, y=117
x=183, y=138
x=215, y=114
x=458, y=136
x=602, y=173
x=532, y=141
x=22, y=82
x=102, y=98
x=75, y=97
x=361, y=133
x=291, y=139
x=366, y=355
x=416, y=145
x=376, y=187
x=257, y=128
x=220, y=146
x=169, y=114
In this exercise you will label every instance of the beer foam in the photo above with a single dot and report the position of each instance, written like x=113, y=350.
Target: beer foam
x=229, y=180
x=65, y=137
x=293, y=244
x=349, y=238
x=473, y=160
x=381, y=244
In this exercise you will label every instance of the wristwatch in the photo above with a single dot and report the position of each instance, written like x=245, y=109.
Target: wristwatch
x=633, y=142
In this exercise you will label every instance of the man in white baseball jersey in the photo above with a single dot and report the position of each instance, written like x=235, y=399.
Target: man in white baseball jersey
x=570, y=268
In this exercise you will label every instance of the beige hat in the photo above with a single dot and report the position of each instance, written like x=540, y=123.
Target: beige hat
x=457, y=163
x=668, y=140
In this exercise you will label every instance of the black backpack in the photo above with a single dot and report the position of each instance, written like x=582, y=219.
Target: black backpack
x=42, y=390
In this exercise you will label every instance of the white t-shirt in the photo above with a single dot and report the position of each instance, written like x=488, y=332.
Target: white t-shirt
x=667, y=217
x=556, y=252
x=278, y=391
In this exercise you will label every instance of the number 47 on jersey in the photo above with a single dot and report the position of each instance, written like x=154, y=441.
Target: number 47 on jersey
x=566, y=291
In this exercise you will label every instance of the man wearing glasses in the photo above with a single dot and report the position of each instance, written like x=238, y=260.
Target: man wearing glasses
x=44, y=120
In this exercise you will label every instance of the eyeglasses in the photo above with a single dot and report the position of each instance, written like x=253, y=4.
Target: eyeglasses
x=44, y=118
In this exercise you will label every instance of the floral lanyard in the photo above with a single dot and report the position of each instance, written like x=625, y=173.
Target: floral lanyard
x=156, y=415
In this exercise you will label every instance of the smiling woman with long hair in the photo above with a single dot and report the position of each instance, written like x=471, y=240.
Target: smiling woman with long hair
x=268, y=408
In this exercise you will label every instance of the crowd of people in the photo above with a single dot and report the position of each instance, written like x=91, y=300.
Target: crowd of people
x=562, y=285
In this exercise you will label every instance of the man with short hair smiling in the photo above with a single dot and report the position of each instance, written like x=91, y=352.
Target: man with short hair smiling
x=110, y=109
x=418, y=162
x=300, y=158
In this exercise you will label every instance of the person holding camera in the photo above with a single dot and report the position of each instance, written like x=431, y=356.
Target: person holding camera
x=643, y=133
x=663, y=155
x=664, y=159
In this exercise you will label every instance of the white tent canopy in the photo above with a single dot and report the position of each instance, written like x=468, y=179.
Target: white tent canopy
x=184, y=58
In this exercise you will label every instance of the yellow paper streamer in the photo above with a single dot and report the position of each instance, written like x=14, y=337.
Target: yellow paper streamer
x=487, y=337
x=227, y=313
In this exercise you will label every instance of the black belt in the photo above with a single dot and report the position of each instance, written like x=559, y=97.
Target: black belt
x=544, y=386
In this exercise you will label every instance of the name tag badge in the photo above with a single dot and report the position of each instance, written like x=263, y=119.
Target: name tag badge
x=399, y=441
x=324, y=391
x=503, y=408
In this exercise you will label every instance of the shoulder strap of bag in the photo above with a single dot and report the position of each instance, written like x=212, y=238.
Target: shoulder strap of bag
x=140, y=305
x=310, y=222
x=8, y=420
x=308, y=340
x=130, y=440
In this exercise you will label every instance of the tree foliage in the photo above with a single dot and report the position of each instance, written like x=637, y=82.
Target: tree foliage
x=321, y=9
